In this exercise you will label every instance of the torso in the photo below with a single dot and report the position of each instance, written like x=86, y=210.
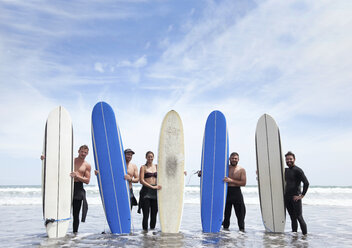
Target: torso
x=81, y=167
x=131, y=170
x=235, y=172
x=293, y=177
x=152, y=169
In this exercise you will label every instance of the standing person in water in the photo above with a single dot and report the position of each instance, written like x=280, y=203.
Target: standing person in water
x=294, y=176
x=148, y=194
x=81, y=174
x=236, y=179
x=132, y=175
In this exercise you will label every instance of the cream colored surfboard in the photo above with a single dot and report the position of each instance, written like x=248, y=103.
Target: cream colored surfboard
x=57, y=184
x=171, y=173
x=270, y=168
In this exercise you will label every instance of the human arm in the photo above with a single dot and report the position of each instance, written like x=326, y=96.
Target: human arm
x=135, y=177
x=305, y=183
x=303, y=179
x=86, y=176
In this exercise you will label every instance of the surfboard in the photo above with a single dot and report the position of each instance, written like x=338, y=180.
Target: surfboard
x=57, y=184
x=214, y=168
x=171, y=173
x=270, y=169
x=110, y=161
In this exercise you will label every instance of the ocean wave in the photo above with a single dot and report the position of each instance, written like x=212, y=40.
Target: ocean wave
x=328, y=196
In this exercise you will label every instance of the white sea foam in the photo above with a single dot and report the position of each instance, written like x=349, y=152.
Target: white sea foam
x=323, y=196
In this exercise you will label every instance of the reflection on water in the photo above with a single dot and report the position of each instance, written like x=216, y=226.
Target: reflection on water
x=26, y=229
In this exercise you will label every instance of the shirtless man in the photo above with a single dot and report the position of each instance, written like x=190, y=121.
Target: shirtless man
x=81, y=174
x=132, y=174
x=236, y=179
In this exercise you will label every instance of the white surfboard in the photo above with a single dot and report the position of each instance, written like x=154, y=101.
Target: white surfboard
x=171, y=173
x=270, y=168
x=57, y=184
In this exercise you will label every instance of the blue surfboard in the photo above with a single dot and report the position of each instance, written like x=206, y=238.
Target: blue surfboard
x=110, y=162
x=215, y=155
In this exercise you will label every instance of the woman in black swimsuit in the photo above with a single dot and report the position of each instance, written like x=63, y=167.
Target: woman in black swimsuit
x=148, y=194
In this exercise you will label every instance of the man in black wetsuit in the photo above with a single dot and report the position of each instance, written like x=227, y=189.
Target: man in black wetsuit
x=81, y=174
x=236, y=179
x=293, y=195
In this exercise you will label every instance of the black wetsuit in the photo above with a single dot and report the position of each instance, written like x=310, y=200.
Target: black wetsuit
x=79, y=196
x=234, y=198
x=293, y=177
x=133, y=200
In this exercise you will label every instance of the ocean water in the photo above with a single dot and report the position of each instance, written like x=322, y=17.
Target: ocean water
x=327, y=211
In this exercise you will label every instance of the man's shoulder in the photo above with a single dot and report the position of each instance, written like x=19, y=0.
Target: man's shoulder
x=240, y=168
x=88, y=166
x=133, y=165
x=298, y=168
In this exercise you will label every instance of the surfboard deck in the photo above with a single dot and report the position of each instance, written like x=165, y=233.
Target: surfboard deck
x=270, y=168
x=57, y=184
x=171, y=173
x=214, y=168
x=110, y=162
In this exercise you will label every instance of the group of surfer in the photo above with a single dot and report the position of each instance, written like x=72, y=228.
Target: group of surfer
x=294, y=176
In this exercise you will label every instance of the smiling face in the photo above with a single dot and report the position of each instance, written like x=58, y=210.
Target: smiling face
x=150, y=157
x=290, y=160
x=128, y=156
x=234, y=160
x=82, y=153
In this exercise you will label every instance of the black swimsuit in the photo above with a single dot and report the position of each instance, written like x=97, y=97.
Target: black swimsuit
x=150, y=174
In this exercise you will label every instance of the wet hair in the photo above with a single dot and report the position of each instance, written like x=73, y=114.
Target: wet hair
x=234, y=154
x=289, y=153
x=83, y=147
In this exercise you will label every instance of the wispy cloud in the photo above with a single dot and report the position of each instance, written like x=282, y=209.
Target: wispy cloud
x=290, y=59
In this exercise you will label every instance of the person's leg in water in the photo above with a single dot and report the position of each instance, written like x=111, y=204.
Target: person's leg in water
x=240, y=210
x=76, y=207
x=153, y=212
x=227, y=214
x=291, y=211
x=145, y=210
x=297, y=205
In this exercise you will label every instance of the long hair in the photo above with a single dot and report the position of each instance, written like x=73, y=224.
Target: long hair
x=146, y=155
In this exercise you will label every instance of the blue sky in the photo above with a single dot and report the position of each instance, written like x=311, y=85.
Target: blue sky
x=290, y=59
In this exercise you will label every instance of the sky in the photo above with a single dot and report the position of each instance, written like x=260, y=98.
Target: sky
x=290, y=59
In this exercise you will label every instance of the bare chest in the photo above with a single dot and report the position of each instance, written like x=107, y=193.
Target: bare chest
x=130, y=170
x=235, y=172
x=80, y=168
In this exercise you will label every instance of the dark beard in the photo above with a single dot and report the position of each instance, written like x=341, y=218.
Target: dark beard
x=289, y=164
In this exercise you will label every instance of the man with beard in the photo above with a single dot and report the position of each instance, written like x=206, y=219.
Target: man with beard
x=132, y=175
x=293, y=196
x=236, y=179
